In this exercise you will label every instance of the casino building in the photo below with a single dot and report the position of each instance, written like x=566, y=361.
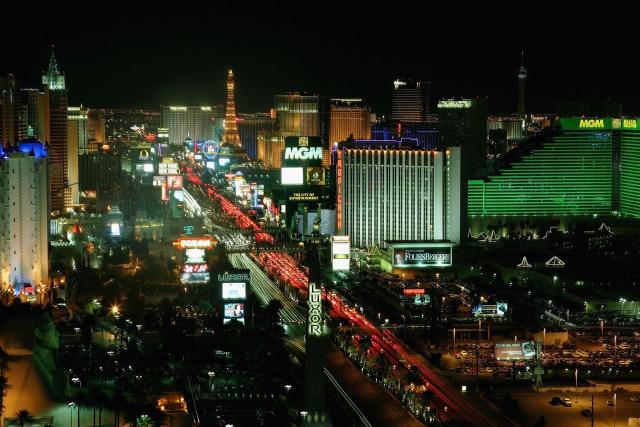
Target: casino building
x=585, y=168
x=393, y=190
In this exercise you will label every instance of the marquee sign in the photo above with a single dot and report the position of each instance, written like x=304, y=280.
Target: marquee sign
x=315, y=309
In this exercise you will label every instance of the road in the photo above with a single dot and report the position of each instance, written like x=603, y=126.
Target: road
x=291, y=313
x=450, y=404
x=536, y=405
x=381, y=407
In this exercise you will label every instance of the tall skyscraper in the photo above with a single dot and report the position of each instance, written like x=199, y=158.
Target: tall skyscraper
x=96, y=126
x=298, y=115
x=250, y=126
x=348, y=117
x=54, y=86
x=463, y=123
x=13, y=113
x=231, y=135
x=522, y=81
x=410, y=101
x=392, y=190
x=77, y=144
x=24, y=217
x=269, y=150
x=198, y=123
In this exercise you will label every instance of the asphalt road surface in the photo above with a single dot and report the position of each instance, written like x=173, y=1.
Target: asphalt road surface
x=536, y=405
x=380, y=406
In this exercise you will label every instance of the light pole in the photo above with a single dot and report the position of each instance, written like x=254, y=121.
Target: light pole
x=211, y=376
x=615, y=404
x=576, y=385
x=71, y=405
x=602, y=328
x=544, y=337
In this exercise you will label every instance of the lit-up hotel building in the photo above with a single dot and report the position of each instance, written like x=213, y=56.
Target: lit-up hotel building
x=200, y=123
x=589, y=167
x=298, y=115
x=392, y=190
x=24, y=217
x=410, y=101
x=348, y=117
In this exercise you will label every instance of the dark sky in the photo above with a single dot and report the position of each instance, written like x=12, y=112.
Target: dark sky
x=137, y=57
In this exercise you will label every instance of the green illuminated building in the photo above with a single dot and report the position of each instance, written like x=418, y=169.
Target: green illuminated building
x=590, y=167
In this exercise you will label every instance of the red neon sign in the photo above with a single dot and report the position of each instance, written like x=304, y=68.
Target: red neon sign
x=413, y=291
x=194, y=242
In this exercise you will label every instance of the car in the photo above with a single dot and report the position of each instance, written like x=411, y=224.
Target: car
x=566, y=402
x=608, y=402
x=555, y=401
x=635, y=398
x=586, y=413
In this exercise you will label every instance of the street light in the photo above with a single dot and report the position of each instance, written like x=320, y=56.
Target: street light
x=211, y=375
x=71, y=405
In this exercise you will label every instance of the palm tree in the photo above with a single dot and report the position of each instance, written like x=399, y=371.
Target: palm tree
x=4, y=388
x=23, y=416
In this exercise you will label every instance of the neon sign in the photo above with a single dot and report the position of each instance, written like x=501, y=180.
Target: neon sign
x=315, y=309
x=194, y=243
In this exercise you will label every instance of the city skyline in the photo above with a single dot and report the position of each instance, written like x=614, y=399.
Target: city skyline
x=154, y=64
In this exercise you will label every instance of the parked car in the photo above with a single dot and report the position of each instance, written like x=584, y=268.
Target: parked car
x=635, y=398
x=608, y=402
x=586, y=412
x=566, y=402
x=555, y=401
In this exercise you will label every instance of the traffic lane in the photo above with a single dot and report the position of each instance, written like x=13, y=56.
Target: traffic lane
x=536, y=405
x=379, y=406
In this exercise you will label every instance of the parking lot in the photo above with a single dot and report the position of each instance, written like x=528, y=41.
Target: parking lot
x=536, y=405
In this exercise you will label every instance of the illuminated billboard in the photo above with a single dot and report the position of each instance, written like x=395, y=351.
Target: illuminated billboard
x=144, y=167
x=421, y=255
x=292, y=176
x=194, y=256
x=234, y=310
x=234, y=290
x=194, y=278
x=194, y=242
x=195, y=268
x=314, y=319
x=515, y=350
x=490, y=310
x=419, y=295
x=168, y=167
x=303, y=150
x=340, y=253
x=174, y=182
x=159, y=180
x=315, y=176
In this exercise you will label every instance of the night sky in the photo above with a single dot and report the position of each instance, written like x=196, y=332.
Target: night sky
x=143, y=58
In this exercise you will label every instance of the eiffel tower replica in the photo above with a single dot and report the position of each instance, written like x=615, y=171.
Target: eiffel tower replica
x=231, y=135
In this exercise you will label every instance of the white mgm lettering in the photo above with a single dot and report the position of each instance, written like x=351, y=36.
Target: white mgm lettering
x=303, y=153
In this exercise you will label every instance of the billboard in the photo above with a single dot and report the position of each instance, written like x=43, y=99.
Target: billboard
x=174, y=182
x=194, y=278
x=419, y=295
x=315, y=176
x=340, y=253
x=168, y=167
x=194, y=255
x=314, y=320
x=201, y=267
x=303, y=150
x=422, y=256
x=159, y=180
x=234, y=290
x=490, y=310
x=292, y=176
x=194, y=242
x=304, y=196
x=233, y=310
x=515, y=350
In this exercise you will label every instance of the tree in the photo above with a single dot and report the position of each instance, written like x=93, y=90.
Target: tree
x=23, y=416
x=4, y=388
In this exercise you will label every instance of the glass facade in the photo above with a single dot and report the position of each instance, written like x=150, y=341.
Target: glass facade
x=574, y=174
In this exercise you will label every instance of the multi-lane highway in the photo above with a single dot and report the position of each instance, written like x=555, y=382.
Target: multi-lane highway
x=280, y=266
